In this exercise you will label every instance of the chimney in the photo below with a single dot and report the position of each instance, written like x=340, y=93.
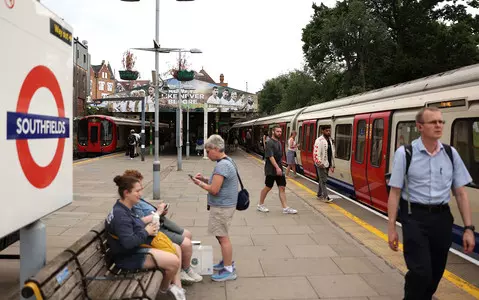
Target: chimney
x=102, y=62
x=222, y=78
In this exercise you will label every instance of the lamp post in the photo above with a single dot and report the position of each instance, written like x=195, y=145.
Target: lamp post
x=157, y=50
x=188, y=121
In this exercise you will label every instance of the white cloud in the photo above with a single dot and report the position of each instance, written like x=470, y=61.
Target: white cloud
x=248, y=41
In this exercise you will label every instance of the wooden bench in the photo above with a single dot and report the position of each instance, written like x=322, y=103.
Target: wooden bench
x=85, y=271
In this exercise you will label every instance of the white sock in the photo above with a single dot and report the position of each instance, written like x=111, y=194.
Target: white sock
x=229, y=268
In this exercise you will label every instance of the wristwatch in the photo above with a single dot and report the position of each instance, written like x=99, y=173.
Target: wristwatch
x=471, y=227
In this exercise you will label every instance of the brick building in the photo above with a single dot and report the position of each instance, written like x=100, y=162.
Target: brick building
x=81, y=76
x=102, y=80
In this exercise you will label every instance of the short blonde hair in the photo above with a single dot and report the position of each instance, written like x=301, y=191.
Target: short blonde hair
x=215, y=142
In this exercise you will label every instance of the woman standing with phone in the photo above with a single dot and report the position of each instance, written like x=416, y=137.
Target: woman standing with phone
x=222, y=188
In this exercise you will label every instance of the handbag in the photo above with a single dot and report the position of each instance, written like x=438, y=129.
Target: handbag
x=243, y=195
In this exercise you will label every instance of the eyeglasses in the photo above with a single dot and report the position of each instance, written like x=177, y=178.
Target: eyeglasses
x=435, y=122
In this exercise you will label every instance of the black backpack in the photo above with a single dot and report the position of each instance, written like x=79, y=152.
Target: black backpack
x=131, y=139
x=408, y=149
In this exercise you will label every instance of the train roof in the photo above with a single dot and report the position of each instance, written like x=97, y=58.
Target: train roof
x=412, y=94
x=121, y=121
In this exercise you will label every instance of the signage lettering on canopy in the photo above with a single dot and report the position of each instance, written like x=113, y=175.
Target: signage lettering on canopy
x=194, y=94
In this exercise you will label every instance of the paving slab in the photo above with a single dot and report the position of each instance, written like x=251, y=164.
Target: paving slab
x=288, y=257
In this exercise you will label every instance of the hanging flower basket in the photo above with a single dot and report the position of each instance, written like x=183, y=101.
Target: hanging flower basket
x=129, y=75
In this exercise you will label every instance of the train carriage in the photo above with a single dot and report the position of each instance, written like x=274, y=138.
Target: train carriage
x=99, y=134
x=367, y=129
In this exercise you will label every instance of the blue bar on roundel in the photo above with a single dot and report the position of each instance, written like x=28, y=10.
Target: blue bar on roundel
x=21, y=126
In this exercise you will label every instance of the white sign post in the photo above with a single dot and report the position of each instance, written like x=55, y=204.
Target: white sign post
x=36, y=142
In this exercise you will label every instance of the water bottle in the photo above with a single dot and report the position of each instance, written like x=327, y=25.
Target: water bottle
x=156, y=219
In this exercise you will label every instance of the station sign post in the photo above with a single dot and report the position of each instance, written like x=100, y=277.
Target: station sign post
x=36, y=143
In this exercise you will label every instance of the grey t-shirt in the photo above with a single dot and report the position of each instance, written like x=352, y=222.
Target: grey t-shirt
x=228, y=194
x=273, y=148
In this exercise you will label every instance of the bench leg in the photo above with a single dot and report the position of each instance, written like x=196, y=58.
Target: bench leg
x=32, y=250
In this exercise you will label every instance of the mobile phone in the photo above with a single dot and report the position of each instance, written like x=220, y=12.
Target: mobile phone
x=167, y=206
x=191, y=176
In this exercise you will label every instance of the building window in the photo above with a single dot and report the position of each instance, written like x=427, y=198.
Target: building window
x=84, y=58
x=101, y=85
x=104, y=95
x=343, y=141
x=91, y=87
x=406, y=132
x=109, y=86
x=465, y=138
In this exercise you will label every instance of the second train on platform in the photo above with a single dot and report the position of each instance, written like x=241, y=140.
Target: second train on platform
x=367, y=129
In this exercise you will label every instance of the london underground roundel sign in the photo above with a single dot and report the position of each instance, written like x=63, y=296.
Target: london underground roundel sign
x=22, y=126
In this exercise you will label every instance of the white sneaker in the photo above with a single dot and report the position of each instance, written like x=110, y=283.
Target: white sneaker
x=262, y=208
x=289, y=210
x=193, y=275
x=177, y=292
x=185, y=278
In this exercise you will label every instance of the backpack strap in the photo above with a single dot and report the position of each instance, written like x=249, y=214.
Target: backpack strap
x=237, y=174
x=408, y=149
x=448, y=150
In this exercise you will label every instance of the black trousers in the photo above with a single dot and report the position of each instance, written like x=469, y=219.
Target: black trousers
x=131, y=149
x=427, y=237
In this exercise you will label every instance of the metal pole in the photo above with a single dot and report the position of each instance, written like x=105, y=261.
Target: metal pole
x=33, y=250
x=187, y=129
x=205, y=128
x=142, y=136
x=156, y=162
x=178, y=118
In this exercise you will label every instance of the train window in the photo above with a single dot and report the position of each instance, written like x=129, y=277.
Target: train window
x=305, y=139
x=106, y=132
x=117, y=132
x=312, y=138
x=83, y=131
x=360, y=141
x=406, y=132
x=465, y=138
x=343, y=141
x=377, y=142
x=300, y=135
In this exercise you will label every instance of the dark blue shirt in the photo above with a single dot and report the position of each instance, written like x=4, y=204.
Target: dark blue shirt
x=128, y=227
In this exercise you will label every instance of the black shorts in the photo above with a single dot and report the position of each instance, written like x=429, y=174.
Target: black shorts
x=270, y=179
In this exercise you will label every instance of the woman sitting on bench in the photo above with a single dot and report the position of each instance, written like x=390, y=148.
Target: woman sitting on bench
x=129, y=239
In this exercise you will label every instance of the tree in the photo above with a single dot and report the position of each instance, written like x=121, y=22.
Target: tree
x=376, y=43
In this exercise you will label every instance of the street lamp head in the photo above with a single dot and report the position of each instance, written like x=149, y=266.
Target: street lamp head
x=196, y=50
x=130, y=0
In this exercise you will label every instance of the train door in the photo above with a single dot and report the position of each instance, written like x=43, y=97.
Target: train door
x=377, y=164
x=94, y=135
x=283, y=140
x=368, y=164
x=307, y=145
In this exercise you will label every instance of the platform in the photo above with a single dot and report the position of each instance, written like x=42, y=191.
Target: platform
x=323, y=252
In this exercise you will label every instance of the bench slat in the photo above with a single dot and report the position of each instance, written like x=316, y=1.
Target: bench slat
x=60, y=279
x=154, y=282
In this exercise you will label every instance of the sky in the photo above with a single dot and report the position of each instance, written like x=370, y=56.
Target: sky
x=249, y=41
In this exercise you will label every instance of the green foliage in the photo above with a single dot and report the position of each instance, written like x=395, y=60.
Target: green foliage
x=359, y=45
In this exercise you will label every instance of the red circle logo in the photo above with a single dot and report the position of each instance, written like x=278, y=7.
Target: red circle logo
x=38, y=176
x=10, y=3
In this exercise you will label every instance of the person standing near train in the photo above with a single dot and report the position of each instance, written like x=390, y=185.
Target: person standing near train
x=323, y=155
x=422, y=193
x=131, y=143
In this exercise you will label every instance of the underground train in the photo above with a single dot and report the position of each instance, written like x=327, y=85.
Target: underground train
x=99, y=134
x=367, y=129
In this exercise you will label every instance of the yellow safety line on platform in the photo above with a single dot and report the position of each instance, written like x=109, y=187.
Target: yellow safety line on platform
x=96, y=158
x=451, y=277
